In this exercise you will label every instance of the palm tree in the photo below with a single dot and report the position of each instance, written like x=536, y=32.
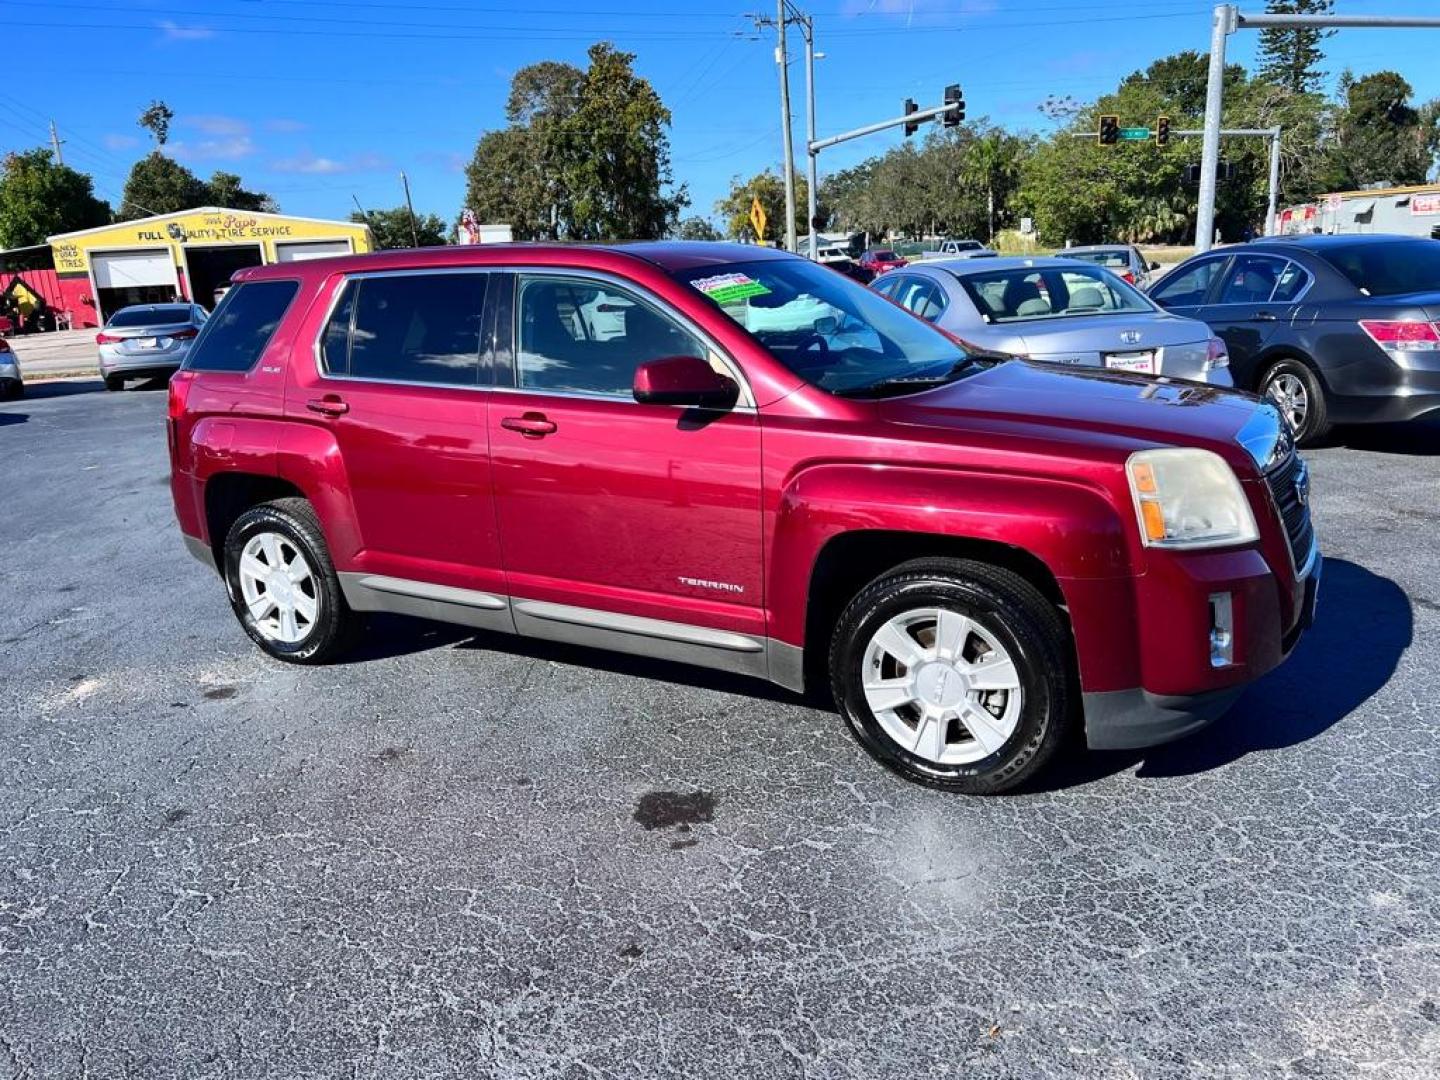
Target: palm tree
x=993, y=162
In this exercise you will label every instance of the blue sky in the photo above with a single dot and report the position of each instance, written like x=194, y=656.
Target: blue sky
x=319, y=101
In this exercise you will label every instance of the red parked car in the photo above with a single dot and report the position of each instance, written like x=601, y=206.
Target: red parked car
x=737, y=458
x=881, y=261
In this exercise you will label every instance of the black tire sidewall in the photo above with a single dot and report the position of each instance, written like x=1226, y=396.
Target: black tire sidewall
x=326, y=635
x=1041, y=681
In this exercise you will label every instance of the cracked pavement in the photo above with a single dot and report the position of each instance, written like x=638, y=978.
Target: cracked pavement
x=468, y=856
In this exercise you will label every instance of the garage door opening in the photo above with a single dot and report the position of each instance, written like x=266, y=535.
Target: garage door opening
x=210, y=268
x=123, y=278
x=300, y=250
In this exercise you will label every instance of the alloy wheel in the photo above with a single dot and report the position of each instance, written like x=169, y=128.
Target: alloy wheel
x=1290, y=395
x=279, y=588
x=941, y=686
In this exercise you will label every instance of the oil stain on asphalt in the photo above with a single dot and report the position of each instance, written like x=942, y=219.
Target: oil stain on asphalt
x=674, y=809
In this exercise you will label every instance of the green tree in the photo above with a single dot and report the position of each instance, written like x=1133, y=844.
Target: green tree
x=586, y=155
x=993, y=160
x=769, y=188
x=225, y=189
x=39, y=198
x=159, y=185
x=1290, y=57
x=156, y=119
x=391, y=228
x=695, y=228
x=1378, y=134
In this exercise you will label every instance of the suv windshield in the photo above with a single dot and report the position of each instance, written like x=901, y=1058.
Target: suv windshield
x=151, y=316
x=832, y=332
x=1049, y=292
x=1387, y=269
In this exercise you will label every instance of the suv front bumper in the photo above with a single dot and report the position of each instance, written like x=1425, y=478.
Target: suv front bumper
x=1136, y=718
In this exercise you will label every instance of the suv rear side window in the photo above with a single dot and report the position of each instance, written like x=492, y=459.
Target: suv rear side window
x=419, y=328
x=237, y=333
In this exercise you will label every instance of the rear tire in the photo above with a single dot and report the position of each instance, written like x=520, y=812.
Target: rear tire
x=283, y=587
x=1294, y=388
x=984, y=701
x=114, y=382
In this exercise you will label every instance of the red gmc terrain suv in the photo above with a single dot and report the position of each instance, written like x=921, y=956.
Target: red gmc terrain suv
x=734, y=457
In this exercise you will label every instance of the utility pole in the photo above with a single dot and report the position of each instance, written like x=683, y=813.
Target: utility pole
x=414, y=232
x=55, y=143
x=788, y=158
x=812, y=179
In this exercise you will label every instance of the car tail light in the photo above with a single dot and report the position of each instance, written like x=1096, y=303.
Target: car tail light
x=179, y=391
x=180, y=335
x=1129, y=277
x=103, y=338
x=1217, y=354
x=1395, y=336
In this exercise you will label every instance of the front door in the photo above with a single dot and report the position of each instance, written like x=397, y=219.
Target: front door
x=397, y=383
x=1256, y=295
x=607, y=505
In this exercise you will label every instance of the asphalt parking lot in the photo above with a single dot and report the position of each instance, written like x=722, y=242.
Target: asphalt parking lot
x=472, y=856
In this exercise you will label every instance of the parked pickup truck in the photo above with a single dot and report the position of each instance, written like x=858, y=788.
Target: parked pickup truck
x=761, y=467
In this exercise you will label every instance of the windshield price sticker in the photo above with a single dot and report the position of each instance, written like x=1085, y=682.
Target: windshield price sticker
x=728, y=288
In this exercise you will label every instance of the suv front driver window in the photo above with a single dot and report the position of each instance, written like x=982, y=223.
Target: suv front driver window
x=582, y=336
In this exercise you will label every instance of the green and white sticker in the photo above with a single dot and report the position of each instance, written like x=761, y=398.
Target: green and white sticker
x=729, y=288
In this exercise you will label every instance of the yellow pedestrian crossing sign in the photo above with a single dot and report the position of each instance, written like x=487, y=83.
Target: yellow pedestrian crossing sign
x=757, y=218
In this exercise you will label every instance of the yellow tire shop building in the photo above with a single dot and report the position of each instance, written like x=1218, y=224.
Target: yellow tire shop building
x=187, y=255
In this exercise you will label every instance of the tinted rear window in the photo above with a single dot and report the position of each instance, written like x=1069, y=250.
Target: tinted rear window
x=237, y=333
x=1389, y=269
x=156, y=316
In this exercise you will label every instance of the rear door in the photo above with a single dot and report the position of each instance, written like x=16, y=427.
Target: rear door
x=397, y=378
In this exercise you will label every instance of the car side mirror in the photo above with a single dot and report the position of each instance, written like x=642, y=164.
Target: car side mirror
x=1154, y=266
x=684, y=380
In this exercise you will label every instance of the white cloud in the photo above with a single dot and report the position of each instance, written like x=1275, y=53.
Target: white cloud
x=120, y=142
x=222, y=149
x=173, y=31
x=283, y=124
x=323, y=166
x=214, y=124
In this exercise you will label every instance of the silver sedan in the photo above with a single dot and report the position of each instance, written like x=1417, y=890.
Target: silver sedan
x=147, y=340
x=1059, y=311
x=12, y=382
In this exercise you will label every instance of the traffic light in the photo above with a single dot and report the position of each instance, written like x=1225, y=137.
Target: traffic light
x=911, y=126
x=1162, y=131
x=1192, y=176
x=1109, y=130
x=954, y=95
x=1224, y=171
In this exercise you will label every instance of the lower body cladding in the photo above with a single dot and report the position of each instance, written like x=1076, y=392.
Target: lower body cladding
x=764, y=658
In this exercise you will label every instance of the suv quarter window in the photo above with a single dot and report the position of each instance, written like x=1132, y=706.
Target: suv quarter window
x=587, y=336
x=243, y=324
x=407, y=327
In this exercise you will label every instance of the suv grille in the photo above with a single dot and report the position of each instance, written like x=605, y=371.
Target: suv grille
x=1289, y=484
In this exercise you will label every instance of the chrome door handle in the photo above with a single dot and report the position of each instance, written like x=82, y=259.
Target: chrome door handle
x=532, y=425
x=329, y=405
x=1264, y=316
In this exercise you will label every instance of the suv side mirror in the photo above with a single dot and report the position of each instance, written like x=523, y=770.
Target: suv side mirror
x=684, y=380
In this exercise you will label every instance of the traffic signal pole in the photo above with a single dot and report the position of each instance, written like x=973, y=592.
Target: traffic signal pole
x=1227, y=19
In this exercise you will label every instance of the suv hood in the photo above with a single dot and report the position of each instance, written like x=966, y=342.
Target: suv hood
x=1095, y=406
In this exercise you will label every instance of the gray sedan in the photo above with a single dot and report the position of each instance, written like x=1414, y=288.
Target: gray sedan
x=1059, y=311
x=1124, y=260
x=147, y=340
x=12, y=383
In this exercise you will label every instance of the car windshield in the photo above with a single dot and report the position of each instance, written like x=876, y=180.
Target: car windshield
x=1100, y=258
x=1050, y=292
x=1388, y=269
x=163, y=315
x=829, y=330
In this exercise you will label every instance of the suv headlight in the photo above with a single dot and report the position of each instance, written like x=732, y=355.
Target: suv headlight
x=1188, y=498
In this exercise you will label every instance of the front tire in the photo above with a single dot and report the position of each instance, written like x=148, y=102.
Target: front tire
x=954, y=674
x=282, y=584
x=114, y=383
x=1293, y=388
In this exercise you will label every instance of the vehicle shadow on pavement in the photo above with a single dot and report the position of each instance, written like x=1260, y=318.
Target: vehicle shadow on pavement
x=1416, y=438
x=59, y=388
x=1362, y=626
x=13, y=418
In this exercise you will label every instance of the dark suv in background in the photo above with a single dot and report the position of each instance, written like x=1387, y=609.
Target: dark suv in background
x=1333, y=329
